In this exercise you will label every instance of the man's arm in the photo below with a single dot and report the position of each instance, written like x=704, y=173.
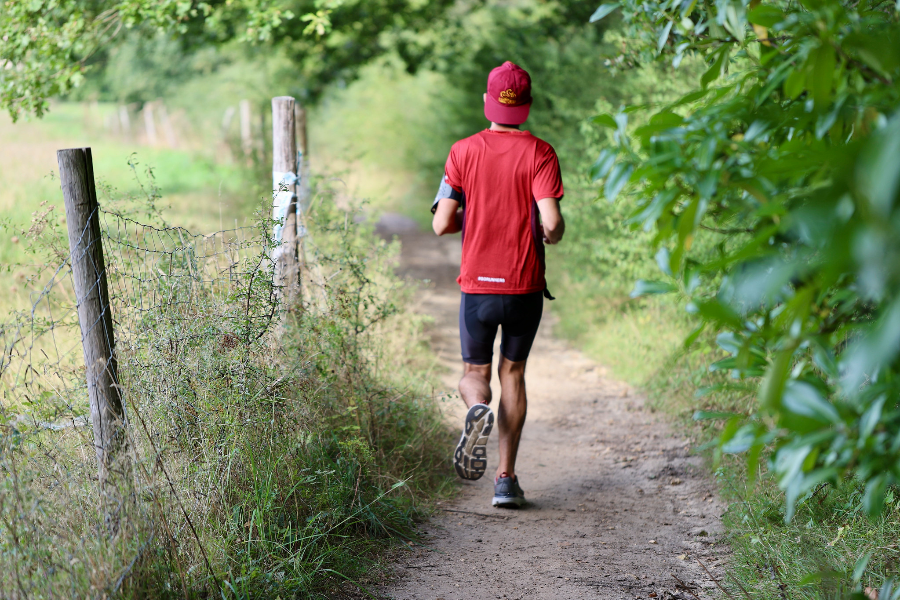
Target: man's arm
x=447, y=217
x=551, y=220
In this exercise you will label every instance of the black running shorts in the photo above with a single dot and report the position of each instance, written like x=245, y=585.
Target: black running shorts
x=479, y=316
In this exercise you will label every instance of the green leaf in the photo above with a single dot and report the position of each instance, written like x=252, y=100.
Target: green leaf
x=667, y=119
x=860, y=567
x=879, y=169
x=878, y=346
x=766, y=15
x=663, y=36
x=659, y=122
x=729, y=342
x=662, y=260
x=879, y=53
x=823, y=75
x=606, y=120
x=689, y=340
x=725, y=364
x=870, y=419
x=603, y=11
x=713, y=310
x=717, y=68
x=616, y=180
x=646, y=288
x=687, y=225
x=603, y=164
x=736, y=20
x=649, y=214
x=794, y=83
x=730, y=429
x=742, y=440
x=789, y=464
x=873, y=498
x=772, y=388
x=775, y=80
x=691, y=97
x=803, y=399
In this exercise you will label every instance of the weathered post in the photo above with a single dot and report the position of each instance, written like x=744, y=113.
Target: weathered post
x=260, y=146
x=284, y=196
x=303, y=166
x=301, y=128
x=124, y=120
x=76, y=173
x=226, y=128
x=226, y=121
x=168, y=129
x=244, y=110
x=150, y=124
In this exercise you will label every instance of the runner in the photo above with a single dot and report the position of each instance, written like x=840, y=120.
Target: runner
x=496, y=185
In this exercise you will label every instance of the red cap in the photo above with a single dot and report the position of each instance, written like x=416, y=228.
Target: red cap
x=508, y=95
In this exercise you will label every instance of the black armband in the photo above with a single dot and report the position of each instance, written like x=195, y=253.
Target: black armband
x=447, y=191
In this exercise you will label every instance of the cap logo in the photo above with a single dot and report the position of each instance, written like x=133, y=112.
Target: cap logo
x=507, y=97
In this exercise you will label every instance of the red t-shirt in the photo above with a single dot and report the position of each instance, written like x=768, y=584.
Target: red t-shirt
x=502, y=175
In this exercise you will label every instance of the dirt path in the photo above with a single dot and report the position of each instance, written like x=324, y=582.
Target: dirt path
x=617, y=505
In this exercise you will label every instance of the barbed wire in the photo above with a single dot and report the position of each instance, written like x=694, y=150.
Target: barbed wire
x=173, y=295
x=155, y=274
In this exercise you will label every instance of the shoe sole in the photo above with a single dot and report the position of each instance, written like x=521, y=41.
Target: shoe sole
x=470, y=457
x=504, y=502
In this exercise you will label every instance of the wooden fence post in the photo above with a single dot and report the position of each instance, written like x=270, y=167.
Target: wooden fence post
x=260, y=147
x=166, y=122
x=244, y=110
x=303, y=166
x=284, y=197
x=76, y=174
x=301, y=128
x=124, y=120
x=150, y=124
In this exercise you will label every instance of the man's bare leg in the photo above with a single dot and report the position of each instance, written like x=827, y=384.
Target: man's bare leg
x=511, y=414
x=475, y=386
x=470, y=456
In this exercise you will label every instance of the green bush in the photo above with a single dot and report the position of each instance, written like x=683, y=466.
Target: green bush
x=786, y=151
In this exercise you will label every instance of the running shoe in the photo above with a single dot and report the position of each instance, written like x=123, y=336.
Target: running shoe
x=470, y=458
x=507, y=493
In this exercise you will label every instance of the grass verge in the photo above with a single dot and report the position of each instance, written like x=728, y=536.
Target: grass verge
x=829, y=549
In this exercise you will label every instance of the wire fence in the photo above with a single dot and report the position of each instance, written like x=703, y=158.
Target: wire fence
x=250, y=420
x=160, y=279
x=178, y=302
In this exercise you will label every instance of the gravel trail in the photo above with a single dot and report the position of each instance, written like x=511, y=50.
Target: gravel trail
x=618, y=506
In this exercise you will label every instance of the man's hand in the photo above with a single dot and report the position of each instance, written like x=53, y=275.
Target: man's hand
x=447, y=217
x=552, y=223
x=544, y=235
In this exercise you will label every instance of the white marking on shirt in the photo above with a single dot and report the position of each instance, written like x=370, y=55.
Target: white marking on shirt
x=492, y=279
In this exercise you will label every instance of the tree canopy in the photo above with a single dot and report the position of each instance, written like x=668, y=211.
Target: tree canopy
x=48, y=46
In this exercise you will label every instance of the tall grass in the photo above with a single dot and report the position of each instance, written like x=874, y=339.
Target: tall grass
x=272, y=450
